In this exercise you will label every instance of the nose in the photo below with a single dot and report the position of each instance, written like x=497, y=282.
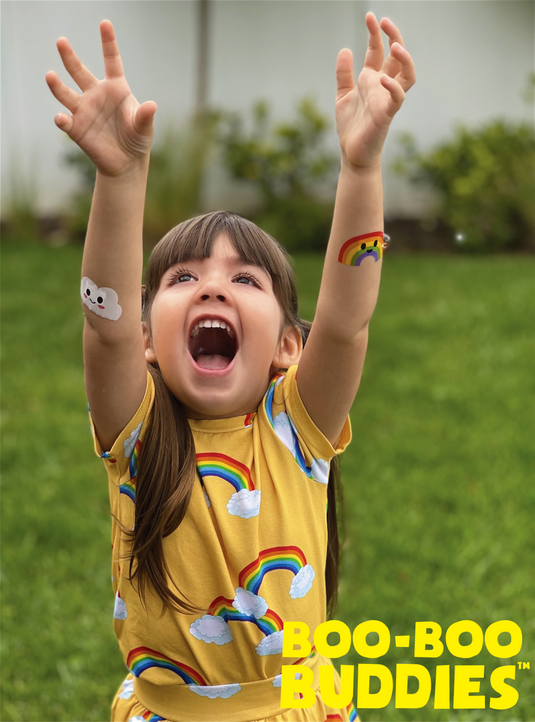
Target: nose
x=208, y=296
x=213, y=288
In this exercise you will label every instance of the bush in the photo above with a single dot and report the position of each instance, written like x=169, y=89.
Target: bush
x=485, y=180
x=291, y=169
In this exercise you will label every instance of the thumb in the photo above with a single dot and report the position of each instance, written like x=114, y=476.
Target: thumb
x=144, y=117
x=64, y=122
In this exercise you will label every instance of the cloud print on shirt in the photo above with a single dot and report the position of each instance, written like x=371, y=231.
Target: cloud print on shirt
x=130, y=443
x=119, y=611
x=249, y=603
x=211, y=629
x=283, y=429
x=245, y=503
x=302, y=582
x=220, y=690
x=127, y=689
x=270, y=645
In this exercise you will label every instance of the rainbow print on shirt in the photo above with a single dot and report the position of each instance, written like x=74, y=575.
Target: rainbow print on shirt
x=356, y=249
x=132, y=449
x=288, y=557
x=141, y=659
x=245, y=502
x=249, y=606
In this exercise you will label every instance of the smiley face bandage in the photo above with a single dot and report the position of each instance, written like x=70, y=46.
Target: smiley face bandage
x=354, y=251
x=102, y=301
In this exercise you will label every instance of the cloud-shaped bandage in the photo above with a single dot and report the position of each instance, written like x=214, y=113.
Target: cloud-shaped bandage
x=102, y=301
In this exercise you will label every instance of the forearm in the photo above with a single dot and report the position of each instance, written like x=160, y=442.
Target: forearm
x=348, y=294
x=113, y=252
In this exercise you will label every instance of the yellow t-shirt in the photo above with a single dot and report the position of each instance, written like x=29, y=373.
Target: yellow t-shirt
x=250, y=551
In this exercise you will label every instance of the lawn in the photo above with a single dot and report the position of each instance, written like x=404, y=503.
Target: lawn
x=439, y=492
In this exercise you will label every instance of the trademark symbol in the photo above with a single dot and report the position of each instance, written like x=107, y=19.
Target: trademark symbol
x=523, y=665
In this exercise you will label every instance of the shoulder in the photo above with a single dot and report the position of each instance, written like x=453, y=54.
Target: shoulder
x=290, y=421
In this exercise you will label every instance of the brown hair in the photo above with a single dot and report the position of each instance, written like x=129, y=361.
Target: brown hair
x=165, y=481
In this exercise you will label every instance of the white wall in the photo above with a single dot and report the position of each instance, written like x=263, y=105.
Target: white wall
x=472, y=61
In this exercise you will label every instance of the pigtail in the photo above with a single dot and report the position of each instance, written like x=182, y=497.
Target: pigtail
x=164, y=486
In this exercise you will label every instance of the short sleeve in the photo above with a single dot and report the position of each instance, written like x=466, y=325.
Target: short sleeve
x=123, y=455
x=293, y=426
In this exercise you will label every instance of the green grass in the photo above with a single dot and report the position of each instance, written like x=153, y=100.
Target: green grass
x=440, y=499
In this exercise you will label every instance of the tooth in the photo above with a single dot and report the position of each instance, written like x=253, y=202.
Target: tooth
x=207, y=323
x=216, y=324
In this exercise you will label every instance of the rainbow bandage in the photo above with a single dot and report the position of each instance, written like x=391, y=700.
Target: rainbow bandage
x=354, y=251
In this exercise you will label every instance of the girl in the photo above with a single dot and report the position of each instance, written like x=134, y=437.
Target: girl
x=216, y=425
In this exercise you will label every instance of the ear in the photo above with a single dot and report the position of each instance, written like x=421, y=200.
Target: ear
x=150, y=354
x=289, y=349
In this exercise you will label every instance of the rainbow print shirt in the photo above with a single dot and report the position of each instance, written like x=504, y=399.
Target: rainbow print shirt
x=249, y=554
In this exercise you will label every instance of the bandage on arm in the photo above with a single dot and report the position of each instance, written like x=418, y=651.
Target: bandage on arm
x=114, y=359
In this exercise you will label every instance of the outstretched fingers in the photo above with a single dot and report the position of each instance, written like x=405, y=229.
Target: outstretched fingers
x=83, y=78
x=113, y=65
x=66, y=96
x=398, y=64
x=376, y=48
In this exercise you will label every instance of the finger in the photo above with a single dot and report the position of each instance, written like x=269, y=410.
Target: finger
x=394, y=36
x=391, y=66
x=345, y=81
x=397, y=95
x=376, y=48
x=64, y=122
x=144, y=118
x=407, y=75
x=78, y=72
x=66, y=96
x=112, y=59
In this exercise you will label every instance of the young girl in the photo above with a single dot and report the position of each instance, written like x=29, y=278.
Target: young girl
x=216, y=424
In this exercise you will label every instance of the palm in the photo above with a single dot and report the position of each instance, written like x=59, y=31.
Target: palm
x=364, y=111
x=107, y=122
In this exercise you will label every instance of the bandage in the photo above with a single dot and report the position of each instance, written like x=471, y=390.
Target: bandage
x=356, y=249
x=102, y=301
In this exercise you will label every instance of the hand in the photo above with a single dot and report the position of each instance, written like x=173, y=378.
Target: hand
x=364, y=112
x=107, y=122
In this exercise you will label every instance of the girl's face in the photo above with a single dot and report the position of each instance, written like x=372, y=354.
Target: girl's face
x=218, y=372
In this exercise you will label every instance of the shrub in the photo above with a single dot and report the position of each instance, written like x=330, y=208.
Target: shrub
x=289, y=165
x=485, y=179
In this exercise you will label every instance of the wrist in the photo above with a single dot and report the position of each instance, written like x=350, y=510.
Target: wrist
x=133, y=172
x=372, y=169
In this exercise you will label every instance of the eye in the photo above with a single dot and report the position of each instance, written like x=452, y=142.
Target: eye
x=248, y=278
x=180, y=276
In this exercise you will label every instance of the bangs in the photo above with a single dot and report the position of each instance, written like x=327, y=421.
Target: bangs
x=193, y=240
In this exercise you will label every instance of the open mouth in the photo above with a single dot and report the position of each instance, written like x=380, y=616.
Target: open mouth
x=212, y=346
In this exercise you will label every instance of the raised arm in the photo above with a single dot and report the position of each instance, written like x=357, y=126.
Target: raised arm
x=331, y=364
x=115, y=131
